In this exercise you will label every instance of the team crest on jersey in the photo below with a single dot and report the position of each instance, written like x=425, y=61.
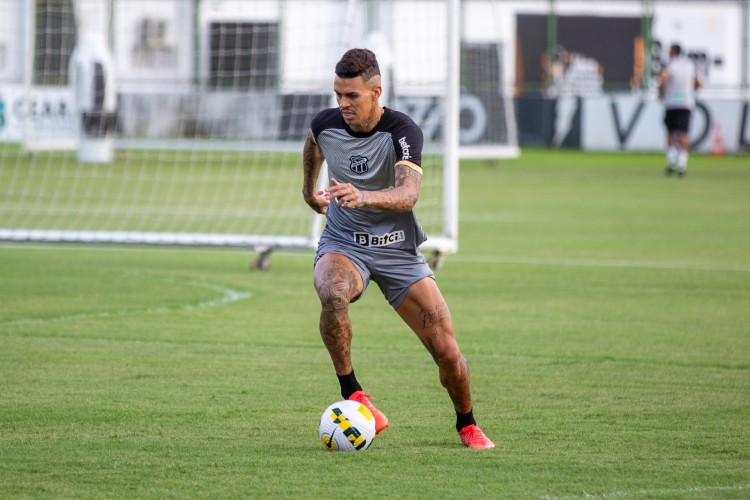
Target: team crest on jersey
x=358, y=164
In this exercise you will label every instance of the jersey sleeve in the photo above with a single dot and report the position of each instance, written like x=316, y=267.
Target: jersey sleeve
x=316, y=125
x=408, y=141
x=322, y=120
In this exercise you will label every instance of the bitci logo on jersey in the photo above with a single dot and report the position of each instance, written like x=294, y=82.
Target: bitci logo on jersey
x=358, y=164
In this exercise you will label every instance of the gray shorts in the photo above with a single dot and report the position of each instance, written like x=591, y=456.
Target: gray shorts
x=393, y=270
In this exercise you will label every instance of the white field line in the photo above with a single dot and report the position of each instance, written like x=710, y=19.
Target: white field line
x=480, y=259
x=225, y=296
x=634, y=264
x=520, y=218
x=651, y=493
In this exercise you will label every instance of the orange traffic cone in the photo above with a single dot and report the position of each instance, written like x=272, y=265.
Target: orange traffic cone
x=717, y=141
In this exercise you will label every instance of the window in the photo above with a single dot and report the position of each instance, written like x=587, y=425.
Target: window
x=54, y=41
x=154, y=48
x=244, y=55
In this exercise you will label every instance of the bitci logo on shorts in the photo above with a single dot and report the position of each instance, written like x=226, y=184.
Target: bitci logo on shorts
x=374, y=240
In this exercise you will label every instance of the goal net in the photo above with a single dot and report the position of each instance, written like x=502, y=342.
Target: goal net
x=182, y=121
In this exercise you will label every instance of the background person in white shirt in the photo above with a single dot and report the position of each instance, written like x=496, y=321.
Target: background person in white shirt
x=679, y=82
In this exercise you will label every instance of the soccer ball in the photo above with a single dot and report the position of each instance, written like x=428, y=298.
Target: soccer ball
x=347, y=426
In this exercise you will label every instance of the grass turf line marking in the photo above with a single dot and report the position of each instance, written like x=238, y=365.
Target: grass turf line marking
x=519, y=218
x=635, y=264
x=554, y=261
x=226, y=296
x=562, y=261
x=481, y=259
x=665, y=491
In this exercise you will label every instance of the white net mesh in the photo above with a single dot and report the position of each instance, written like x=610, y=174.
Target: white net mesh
x=213, y=101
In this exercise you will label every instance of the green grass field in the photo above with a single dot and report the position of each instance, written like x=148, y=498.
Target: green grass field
x=604, y=310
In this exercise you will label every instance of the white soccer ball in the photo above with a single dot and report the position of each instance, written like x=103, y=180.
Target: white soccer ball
x=347, y=426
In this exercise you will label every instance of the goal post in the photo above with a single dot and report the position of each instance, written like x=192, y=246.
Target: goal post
x=213, y=103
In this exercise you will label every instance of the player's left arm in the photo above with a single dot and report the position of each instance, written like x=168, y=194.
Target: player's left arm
x=400, y=198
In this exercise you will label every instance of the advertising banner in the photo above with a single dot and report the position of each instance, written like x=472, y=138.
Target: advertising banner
x=42, y=113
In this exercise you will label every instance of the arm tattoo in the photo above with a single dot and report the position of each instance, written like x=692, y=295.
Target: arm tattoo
x=312, y=160
x=404, y=194
x=407, y=175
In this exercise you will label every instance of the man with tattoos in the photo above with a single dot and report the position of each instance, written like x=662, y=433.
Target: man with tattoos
x=374, y=159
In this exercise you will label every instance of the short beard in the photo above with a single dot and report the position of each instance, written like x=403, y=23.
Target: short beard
x=373, y=119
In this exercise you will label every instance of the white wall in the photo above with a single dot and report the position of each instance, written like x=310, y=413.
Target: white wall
x=12, y=36
x=170, y=63
x=635, y=123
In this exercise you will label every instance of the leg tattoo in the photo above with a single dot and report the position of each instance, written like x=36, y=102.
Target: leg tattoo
x=437, y=336
x=335, y=294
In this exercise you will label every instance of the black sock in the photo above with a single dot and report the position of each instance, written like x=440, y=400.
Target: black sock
x=464, y=419
x=349, y=385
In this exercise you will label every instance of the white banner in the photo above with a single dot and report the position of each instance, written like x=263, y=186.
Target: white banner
x=636, y=123
x=42, y=114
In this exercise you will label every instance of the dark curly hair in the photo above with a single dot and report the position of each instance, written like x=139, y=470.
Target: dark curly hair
x=358, y=62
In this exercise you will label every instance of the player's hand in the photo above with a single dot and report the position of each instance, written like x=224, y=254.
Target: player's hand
x=318, y=202
x=345, y=195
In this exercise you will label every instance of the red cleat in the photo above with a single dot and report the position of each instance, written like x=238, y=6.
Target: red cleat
x=381, y=421
x=473, y=437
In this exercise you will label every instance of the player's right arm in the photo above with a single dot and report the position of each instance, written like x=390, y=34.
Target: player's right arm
x=697, y=81
x=312, y=161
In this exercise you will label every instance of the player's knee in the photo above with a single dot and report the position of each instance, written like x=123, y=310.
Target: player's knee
x=448, y=355
x=334, y=296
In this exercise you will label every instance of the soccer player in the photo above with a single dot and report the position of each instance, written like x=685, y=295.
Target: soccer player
x=679, y=81
x=374, y=159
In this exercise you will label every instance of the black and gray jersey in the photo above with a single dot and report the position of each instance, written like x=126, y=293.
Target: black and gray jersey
x=368, y=162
